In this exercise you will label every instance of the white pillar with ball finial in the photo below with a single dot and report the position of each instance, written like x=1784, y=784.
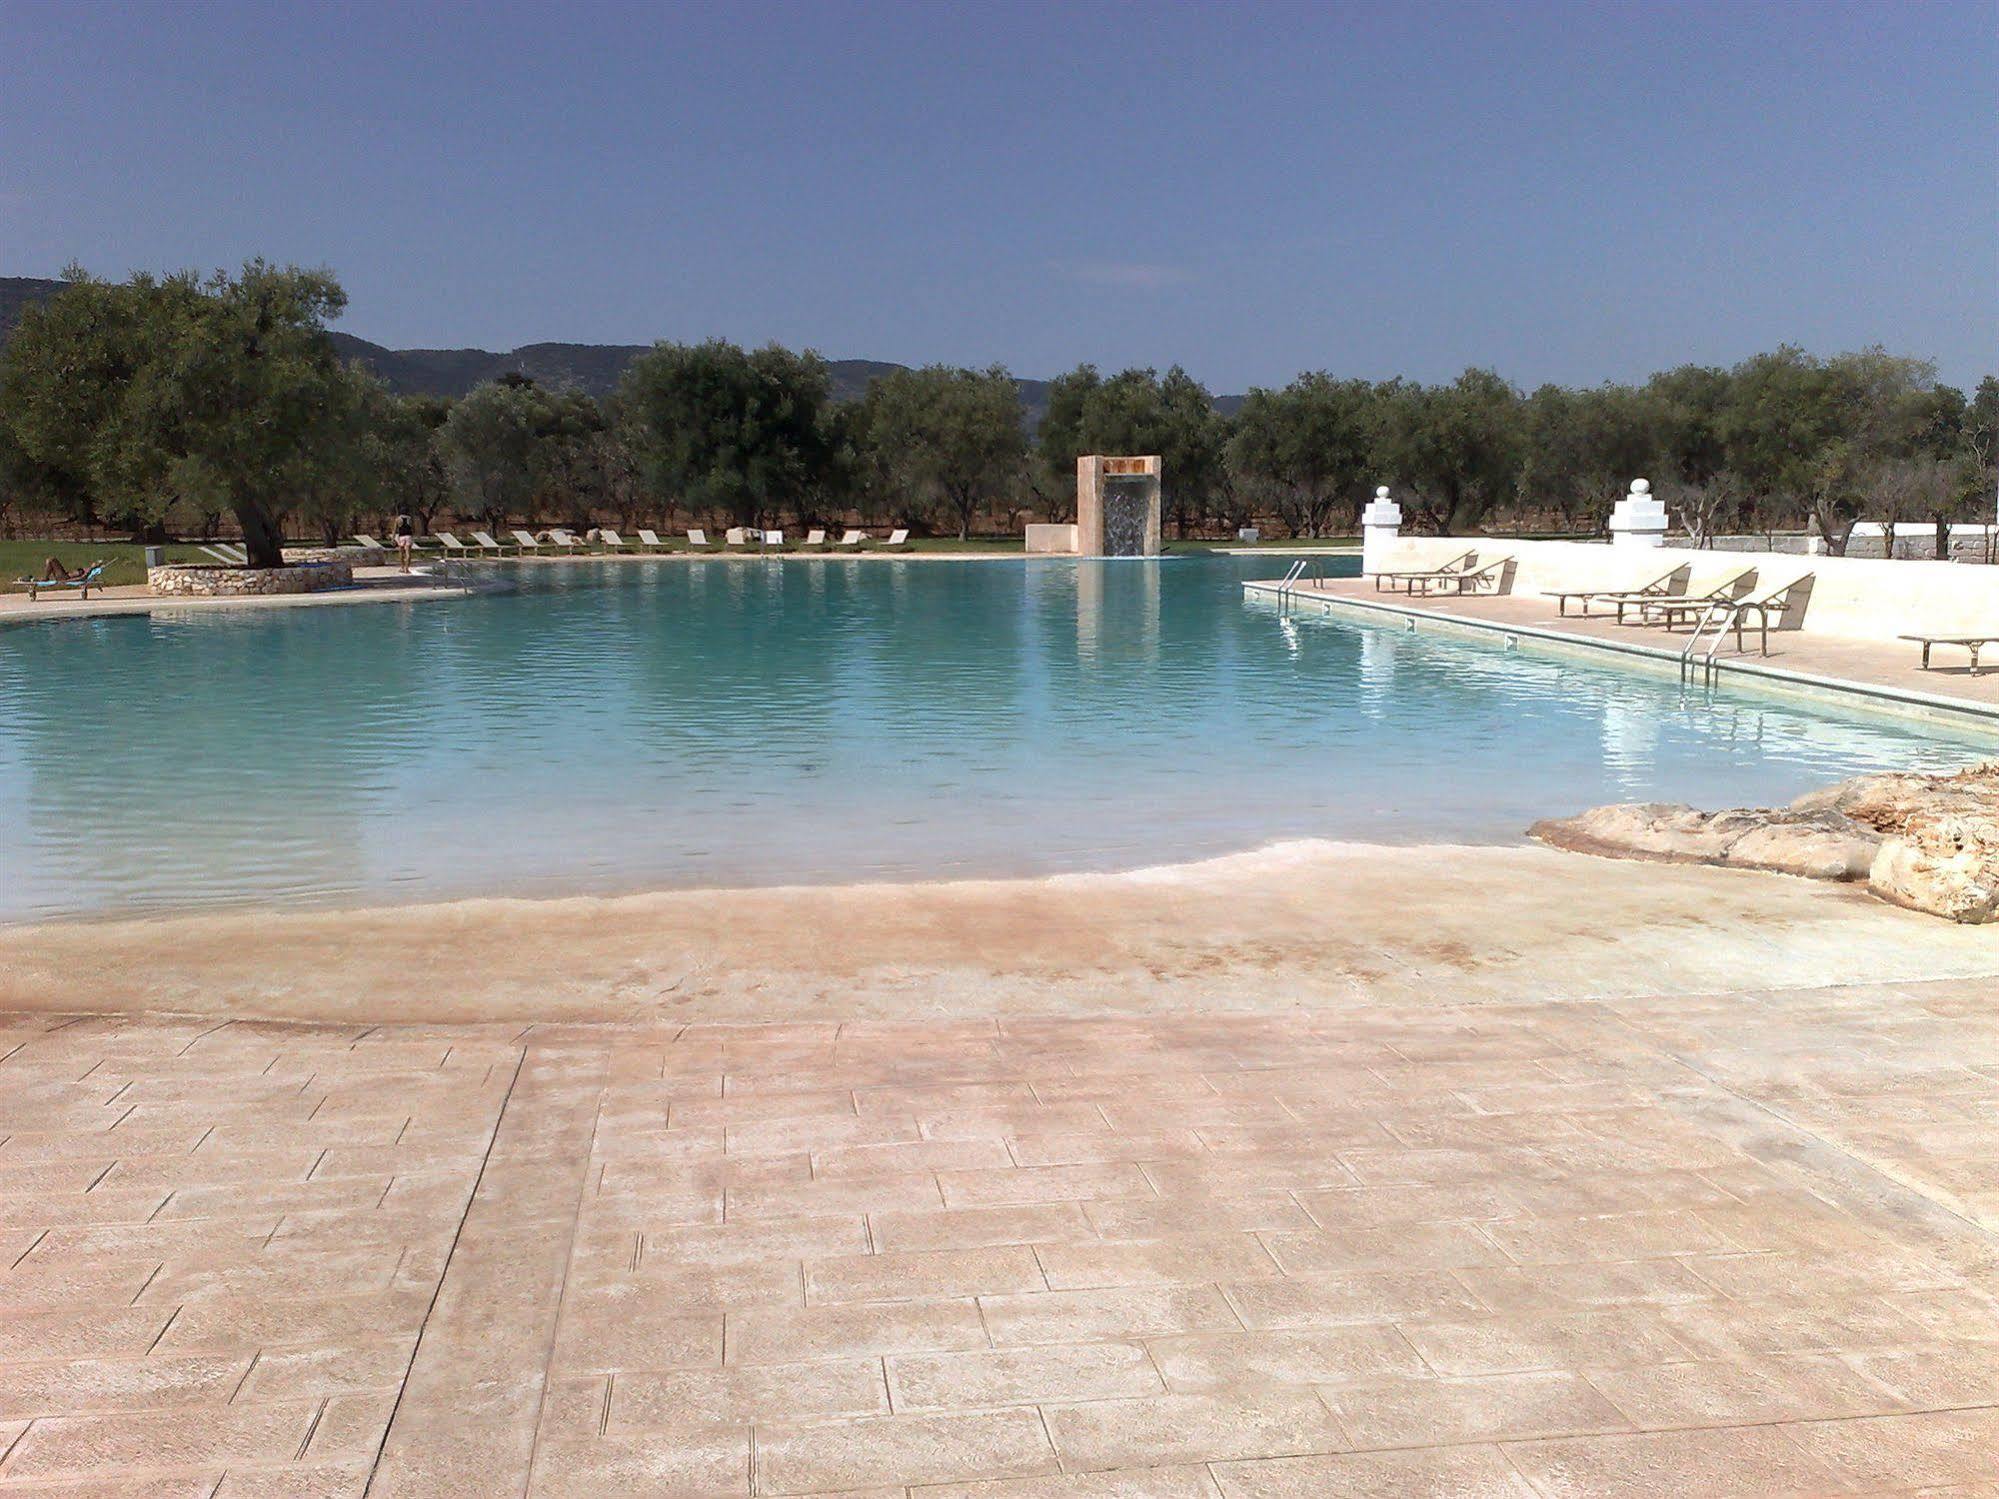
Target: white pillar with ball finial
x=1380, y=525
x=1638, y=520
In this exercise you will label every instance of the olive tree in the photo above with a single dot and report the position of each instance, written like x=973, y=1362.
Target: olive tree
x=1455, y=448
x=1138, y=412
x=1308, y=447
x=953, y=436
x=222, y=394
x=487, y=446
x=718, y=428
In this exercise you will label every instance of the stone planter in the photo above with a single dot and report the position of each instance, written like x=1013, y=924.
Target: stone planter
x=189, y=580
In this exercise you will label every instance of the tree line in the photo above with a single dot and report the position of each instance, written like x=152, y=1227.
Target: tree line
x=166, y=406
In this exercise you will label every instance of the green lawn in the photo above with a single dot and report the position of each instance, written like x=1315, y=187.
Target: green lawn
x=127, y=561
x=975, y=544
x=1269, y=543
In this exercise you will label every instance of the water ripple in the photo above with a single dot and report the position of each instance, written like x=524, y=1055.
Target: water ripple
x=646, y=726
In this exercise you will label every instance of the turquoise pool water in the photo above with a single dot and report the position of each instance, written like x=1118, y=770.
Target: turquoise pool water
x=636, y=726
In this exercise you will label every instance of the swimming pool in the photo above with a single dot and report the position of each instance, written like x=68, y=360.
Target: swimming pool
x=647, y=725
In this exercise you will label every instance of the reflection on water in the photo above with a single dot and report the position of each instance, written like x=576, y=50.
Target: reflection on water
x=739, y=722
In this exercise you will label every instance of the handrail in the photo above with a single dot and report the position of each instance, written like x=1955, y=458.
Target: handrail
x=1722, y=613
x=1694, y=640
x=1732, y=615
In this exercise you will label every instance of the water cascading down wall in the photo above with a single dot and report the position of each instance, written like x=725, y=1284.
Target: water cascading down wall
x=1117, y=506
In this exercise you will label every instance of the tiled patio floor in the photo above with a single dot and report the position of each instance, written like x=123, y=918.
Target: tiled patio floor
x=1697, y=1247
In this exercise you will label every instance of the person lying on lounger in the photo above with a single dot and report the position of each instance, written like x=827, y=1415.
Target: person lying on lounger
x=53, y=571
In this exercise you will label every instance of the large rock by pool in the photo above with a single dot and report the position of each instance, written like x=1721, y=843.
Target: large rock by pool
x=1923, y=841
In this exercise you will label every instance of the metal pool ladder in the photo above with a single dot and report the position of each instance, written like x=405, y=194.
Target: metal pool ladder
x=1721, y=614
x=1295, y=577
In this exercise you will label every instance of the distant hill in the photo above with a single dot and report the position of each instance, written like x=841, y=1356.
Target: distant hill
x=594, y=368
x=17, y=293
x=452, y=372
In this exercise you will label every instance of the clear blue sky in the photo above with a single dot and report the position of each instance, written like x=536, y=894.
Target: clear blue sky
x=1569, y=192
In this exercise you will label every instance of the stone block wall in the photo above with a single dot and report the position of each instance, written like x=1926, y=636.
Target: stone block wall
x=186, y=580
x=1051, y=540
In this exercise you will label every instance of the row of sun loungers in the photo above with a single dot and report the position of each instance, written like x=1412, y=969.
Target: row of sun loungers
x=1666, y=600
x=1730, y=603
x=741, y=538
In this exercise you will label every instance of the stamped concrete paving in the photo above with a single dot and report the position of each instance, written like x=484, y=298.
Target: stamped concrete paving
x=1731, y=1244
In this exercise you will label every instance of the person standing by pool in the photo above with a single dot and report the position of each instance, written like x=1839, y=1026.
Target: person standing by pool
x=404, y=532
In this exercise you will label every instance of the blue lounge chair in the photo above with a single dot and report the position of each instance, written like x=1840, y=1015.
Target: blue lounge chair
x=83, y=584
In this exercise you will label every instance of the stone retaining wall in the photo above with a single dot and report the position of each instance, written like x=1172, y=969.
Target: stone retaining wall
x=186, y=580
x=1794, y=543
x=352, y=556
x=1912, y=544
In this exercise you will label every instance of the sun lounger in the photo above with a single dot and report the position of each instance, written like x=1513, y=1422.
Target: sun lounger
x=897, y=539
x=853, y=539
x=651, y=542
x=1496, y=575
x=698, y=539
x=567, y=540
x=1734, y=613
x=1778, y=601
x=1972, y=643
x=526, y=542
x=1411, y=580
x=453, y=547
x=369, y=543
x=90, y=579
x=1666, y=585
x=1652, y=609
x=485, y=543
x=1443, y=580
x=736, y=536
x=772, y=539
x=614, y=541
x=815, y=538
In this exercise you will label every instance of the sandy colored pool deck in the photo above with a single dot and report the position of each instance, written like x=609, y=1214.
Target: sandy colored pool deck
x=1296, y=1174
x=1890, y=668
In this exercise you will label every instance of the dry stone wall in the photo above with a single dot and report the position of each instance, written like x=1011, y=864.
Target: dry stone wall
x=187, y=580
